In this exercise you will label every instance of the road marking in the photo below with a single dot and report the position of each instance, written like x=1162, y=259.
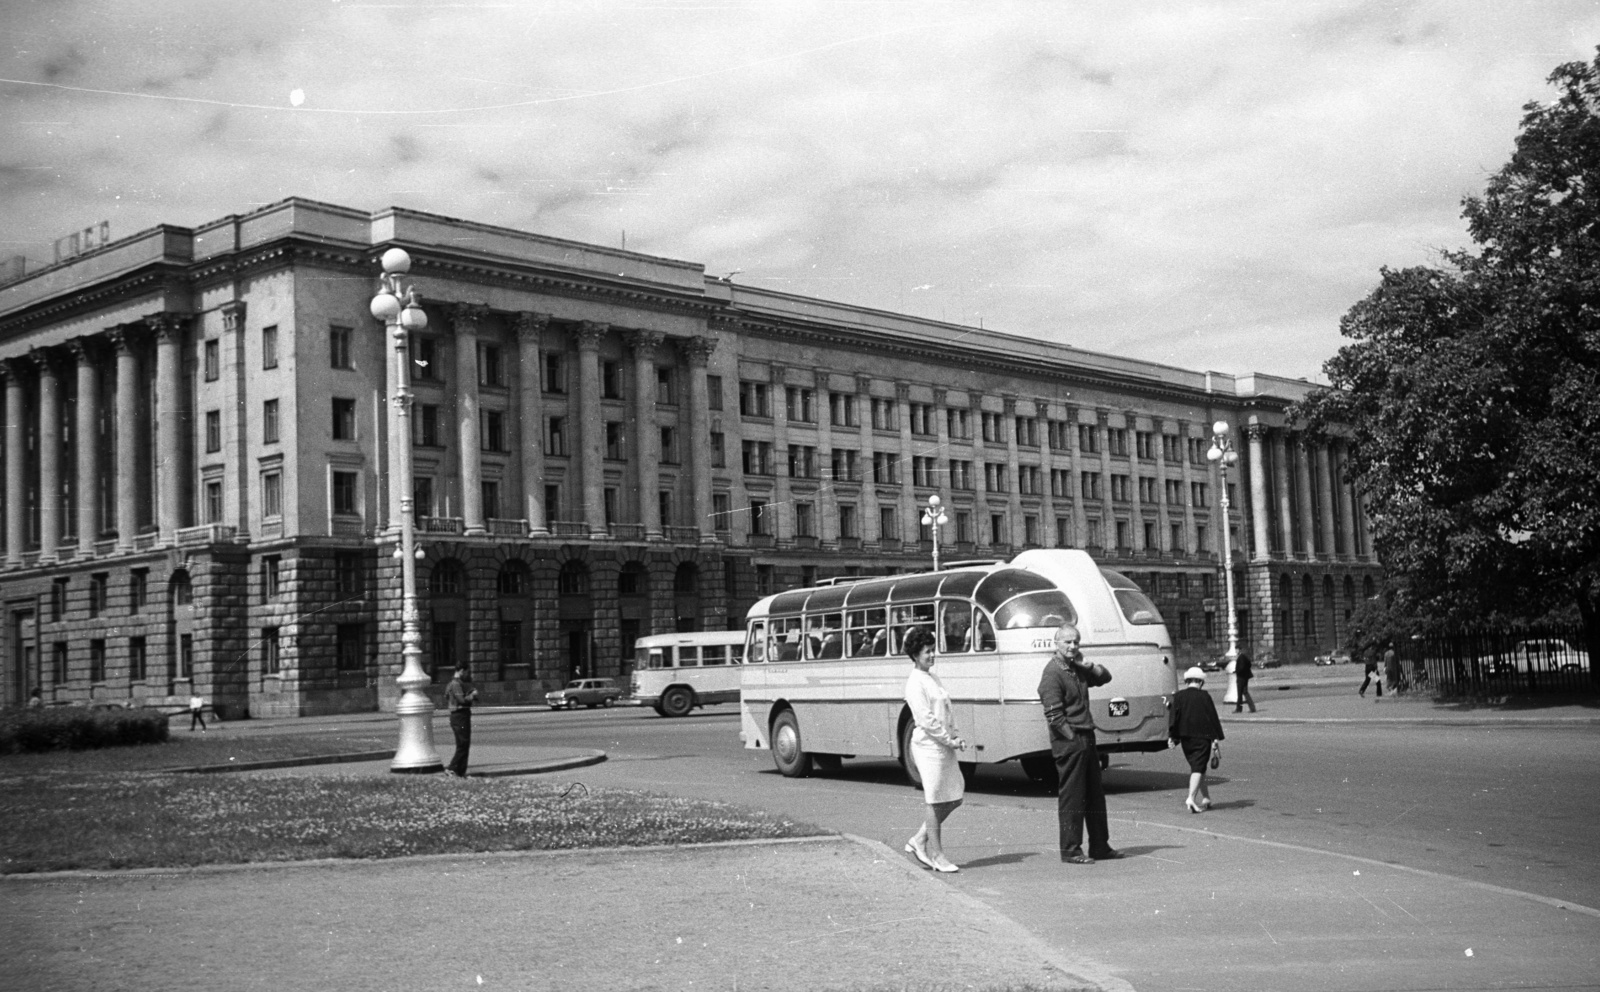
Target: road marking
x=1283, y=845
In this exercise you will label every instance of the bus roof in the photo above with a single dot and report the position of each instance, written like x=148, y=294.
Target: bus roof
x=990, y=586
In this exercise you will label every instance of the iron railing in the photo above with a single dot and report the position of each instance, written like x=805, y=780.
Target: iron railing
x=1530, y=660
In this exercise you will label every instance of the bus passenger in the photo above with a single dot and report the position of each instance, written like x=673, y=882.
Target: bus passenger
x=1080, y=797
x=933, y=747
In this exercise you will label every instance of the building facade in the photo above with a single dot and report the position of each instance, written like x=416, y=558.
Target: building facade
x=198, y=434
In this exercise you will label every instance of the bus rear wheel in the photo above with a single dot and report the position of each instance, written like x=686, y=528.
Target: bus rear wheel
x=677, y=701
x=1040, y=768
x=787, y=754
x=906, y=761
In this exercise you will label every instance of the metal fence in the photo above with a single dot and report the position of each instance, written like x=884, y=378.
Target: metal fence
x=1516, y=662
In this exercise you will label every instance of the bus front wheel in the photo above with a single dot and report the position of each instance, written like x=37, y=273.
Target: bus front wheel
x=678, y=701
x=787, y=754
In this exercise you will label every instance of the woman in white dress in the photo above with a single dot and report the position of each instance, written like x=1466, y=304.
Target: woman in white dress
x=933, y=747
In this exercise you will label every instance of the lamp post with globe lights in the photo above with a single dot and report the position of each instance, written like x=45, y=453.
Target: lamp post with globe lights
x=1222, y=453
x=933, y=517
x=415, y=752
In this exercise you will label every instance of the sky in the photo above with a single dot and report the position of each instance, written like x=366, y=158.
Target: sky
x=1205, y=185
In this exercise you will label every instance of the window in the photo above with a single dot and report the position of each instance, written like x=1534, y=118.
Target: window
x=1120, y=488
x=494, y=430
x=1171, y=448
x=1200, y=543
x=1063, y=532
x=510, y=644
x=552, y=502
x=58, y=599
x=1090, y=485
x=1061, y=483
x=555, y=441
x=1117, y=440
x=426, y=425
x=139, y=589
x=271, y=659
x=997, y=528
x=1151, y=542
x=1124, y=535
x=1028, y=432
x=1197, y=493
x=491, y=371
x=963, y=526
x=213, y=431
x=1030, y=529
x=755, y=399
x=924, y=471
x=616, y=448
x=664, y=507
x=847, y=521
x=271, y=577
x=994, y=478
x=713, y=392
x=97, y=660
x=799, y=405
x=802, y=462
x=513, y=579
x=666, y=386
x=764, y=580
x=272, y=494
x=269, y=422
x=611, y=380
x=885, y=468
x=719, y=450
x=212, y=359
x=994, y=428
x=1145, y=445
x=269, y=347
x=923, y=419
x=138, y=660
x=489, y=493
x=1094, y=533
x=609, y=500
x=958, y=424
x=555, y=374
x=344, y=419
x=804, y=520
x=98, y=585
x=1088, y=439
x=1147, y=489
x=425, y=359
x=888, y=524
x=339, y=347
x=1174, y=491
x=344, y=493
x=213, y=501
x=721, y=511
x=960, y=474
x=730, y=583
x=347, y=647
x=885, y=415
x=1197, y=450
x=1175, y=539
x=757, y=458
x=842, y=410
x=421, y=497
x=669, y=446
x=348, y=574
x=1059, y=435
x=846, y=465
x=1028, y=480
x=758, y=518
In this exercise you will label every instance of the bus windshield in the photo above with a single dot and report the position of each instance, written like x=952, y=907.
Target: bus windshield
x=1136, y=606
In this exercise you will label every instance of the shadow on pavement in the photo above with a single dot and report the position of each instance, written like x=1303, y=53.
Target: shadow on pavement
x=999, y=859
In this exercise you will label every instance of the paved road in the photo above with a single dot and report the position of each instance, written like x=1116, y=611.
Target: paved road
x=1341, y=856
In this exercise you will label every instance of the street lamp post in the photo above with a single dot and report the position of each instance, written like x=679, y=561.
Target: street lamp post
x=1223, y=454
x=933, y=517
x=415, y=752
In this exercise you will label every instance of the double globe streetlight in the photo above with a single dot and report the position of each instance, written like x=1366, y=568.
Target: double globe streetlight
x=415, y=752
x=1224, y=456
x=933, y=517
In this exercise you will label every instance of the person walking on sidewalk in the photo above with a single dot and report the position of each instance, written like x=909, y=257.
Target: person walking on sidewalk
x=1242, y=673
x=459, y=696
x=1391, y=670
x=1194, y=726
x=1080, y=796
x=197, y=706
x=1371, y=668
x=933, y=750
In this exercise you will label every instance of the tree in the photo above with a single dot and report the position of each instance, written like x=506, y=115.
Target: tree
x=1473, y=388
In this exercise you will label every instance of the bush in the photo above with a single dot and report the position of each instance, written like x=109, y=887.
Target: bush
x=73, y=728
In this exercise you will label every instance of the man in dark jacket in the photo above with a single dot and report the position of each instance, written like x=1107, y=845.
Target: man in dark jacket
x=1241, y=674
x=1080, y=797
x=459, y=696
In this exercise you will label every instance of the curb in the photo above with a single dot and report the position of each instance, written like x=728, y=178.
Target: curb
x=539, y=768
x=533, y=768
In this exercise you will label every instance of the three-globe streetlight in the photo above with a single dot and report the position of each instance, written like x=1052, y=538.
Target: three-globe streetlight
x=414, y=709
x=1223, y=454
x=933, y=517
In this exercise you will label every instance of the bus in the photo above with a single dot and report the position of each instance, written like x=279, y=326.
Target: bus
x=824, y=677
x=674, y=673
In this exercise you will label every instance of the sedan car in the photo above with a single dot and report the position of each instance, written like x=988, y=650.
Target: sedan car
x=584, y=692
x=1338, y=656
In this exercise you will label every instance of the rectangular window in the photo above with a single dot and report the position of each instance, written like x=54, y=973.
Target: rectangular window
x=510, y=645
x=964, y=526
x=1124, y=535
x=344, y=419
x=1028, y=432
x=272, y=494
x=994, y=478
x=1147, y=489
x=1057, y=432
x=185, y=656
x=271, y=577
x=344, y=493
x=764, y=580
x=846, y=465
x=425, y=359
x=1197, y=493
x=1090, y=485
x=842, y=410
x=552, y=502
x=490, y=369
x=1171, y=448
x=1145, y=444
x=1094, y=533
x=885, y=415
x=212, y=359
x=800, y=405
x=213, y=431
x=755, y=399
x=1117, y=439
x=489, y=493
x=924, y=472
x=721, y=511
x=997, y=528
x=1197, y=450
x=347, y=648
x=58, y=599
x=1151, y=542
x=1200, y=542
x=713, y=392
x=666, y=386
x=271, y=660
x=885, y=468
x=350, y=581
x=758, y=518
x=1120, y=488
x=1029, y=480
x=1088, y=439
x=958, y=424
x=98, y=585
x=97, y=660
x=421, y=497
x=1063, y=532
x=1030, y=530
x=1061, y=483
x=138, y=660
x=664, y=507
x=669, y=446
x=269, y=422
x=994, y=428
x=611, y=380
x=555, y=374
x=555, y=441
x=426, y=425
x=138, y=589
x=847, y=521
x=213, y=502
x=719, y=450
x=923, y=419
x=757, y=458
x=269, y=347
x=339, y=347
x=888, y=524
x=802, y=461
x=1175, y=539
x=1174, y=491
x=609, y=499
x=804, y=520
x=960, y=474
x=494, y=430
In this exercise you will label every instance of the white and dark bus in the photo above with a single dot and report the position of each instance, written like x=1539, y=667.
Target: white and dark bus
x=674, y=673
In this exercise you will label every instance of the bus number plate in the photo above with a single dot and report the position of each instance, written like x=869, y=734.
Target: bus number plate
x=1119, y=707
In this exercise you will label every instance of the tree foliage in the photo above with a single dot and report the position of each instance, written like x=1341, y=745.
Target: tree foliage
x=1473, y=387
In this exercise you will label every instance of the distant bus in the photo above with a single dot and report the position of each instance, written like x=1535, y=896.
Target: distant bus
x=825, y=674
x=674, y=673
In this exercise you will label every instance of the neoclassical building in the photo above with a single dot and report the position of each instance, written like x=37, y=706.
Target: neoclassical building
x=198, y=439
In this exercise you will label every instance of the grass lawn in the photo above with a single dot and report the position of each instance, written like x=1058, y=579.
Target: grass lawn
x=188, y=751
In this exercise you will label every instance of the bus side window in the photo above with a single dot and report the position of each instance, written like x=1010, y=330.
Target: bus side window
x=758, y=644
x=654, y=659
x=688, y=657
x=785, y=639
x=736, y=654
x=956, y=620
x=711, y=654
x=985, y=631
x=666, y=659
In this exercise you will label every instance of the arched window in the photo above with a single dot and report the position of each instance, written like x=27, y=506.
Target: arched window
x=1367, y=591
x=446, y=579
x=574, y=579
x=633, y=580
x=513, y=580
x=180, y=590
x=686, y=581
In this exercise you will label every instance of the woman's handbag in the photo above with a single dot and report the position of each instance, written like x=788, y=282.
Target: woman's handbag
x=1216, y=755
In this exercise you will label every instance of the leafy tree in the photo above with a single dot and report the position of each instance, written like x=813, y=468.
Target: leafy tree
x=1473, y=388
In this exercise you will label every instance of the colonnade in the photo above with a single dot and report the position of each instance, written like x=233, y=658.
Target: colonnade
x=1301, y=507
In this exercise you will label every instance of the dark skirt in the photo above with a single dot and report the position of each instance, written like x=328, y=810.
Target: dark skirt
x=1198, y=751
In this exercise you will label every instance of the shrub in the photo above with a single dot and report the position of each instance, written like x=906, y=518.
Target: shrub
x=73, y=728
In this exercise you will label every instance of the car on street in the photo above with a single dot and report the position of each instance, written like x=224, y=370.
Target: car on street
x=584, y=692
x=1338, y=656
x=1550, y=654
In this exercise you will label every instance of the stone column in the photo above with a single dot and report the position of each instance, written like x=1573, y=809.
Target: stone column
x=530, y=415
x=1308, y=523
x=827, y=493
x=16, y=468
x=1108, y=509
x=1260, y=524
x=168, y=496
x=1280, y=481
x=1015, y=531
x=1347, y=520
x=1047, y=499
x=697, y=441
x=1325, y=499
x=49, y=454
x=591, y=426
x=646, y=433
x=910, y=512
x=1191, y=530
x=464, y=318
x=235, y=379
x=1080, y=524
x=1130, y=428
x=127, y=438
x=1158, y=436
x=869, y=489
x=88, y=467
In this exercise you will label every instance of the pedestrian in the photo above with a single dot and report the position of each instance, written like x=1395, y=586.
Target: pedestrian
x=934, y=744
x=197, y=705
x=459, y=696
x=1195, y=727
x=1391, y=669
x=1241, y=675
x=1370, y=667
x=1080, y=797
x=35, y=699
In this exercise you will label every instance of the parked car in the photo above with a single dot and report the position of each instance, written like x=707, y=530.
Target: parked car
x=1550, y=654
x=1338, y=656
x=1213, y=664
x=584, y=692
